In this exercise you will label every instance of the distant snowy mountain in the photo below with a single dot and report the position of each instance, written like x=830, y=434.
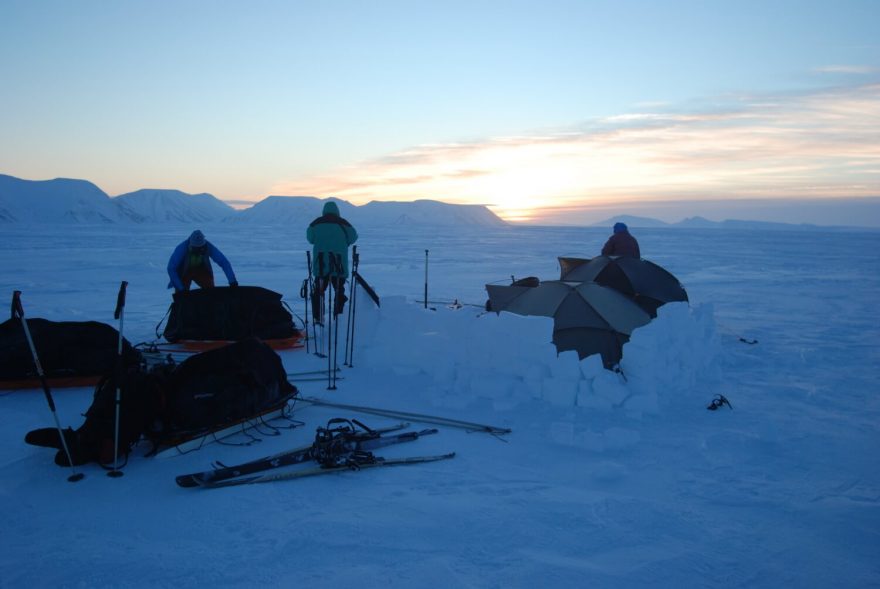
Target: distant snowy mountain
x=79, y=201
x=303, y=209
x=289, y=210
x=703, y=223
x=428, y=212
x=61, y=200
x=739, y=224
x=697, y=223
x=174, y=206
x=631, y=221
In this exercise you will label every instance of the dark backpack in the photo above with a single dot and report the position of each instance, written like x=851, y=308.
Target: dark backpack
x=65, y=349
x=228, y=313
x=224, y=386
x=168, y=403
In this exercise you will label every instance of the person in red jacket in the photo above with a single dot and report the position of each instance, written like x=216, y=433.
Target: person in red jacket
x=621, y=243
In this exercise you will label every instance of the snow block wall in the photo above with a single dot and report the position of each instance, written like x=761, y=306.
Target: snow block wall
x=468, y=354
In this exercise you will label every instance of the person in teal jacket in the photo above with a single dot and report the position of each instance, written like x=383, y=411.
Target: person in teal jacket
x=191, y=262
x=330, y=236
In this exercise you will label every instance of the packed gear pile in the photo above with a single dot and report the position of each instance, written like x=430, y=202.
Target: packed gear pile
x=167, y=404
x=343, y=444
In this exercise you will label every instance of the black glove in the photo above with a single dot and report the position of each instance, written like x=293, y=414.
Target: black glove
x=233, y=283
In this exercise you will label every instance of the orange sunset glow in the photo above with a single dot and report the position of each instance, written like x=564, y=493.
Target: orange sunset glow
x=816, y=145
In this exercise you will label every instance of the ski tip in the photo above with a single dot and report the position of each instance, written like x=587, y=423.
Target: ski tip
x=186, y=481
x=495, y=431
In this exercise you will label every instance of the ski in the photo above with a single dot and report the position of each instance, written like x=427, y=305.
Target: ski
x=419, y=417
x=297, y=455
x=315, y=378
x=307, y=372
x=367, y=288
x=373, y=461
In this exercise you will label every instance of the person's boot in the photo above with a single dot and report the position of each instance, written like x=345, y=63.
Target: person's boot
x=76, y=451
x=317, y=307
x=340, y=304
x=46, y=437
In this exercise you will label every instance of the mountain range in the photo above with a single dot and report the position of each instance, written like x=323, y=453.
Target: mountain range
x=65, y=200
x=79, y=201
x=703, y=223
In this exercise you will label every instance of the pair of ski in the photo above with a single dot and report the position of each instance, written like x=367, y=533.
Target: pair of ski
x=355, y=452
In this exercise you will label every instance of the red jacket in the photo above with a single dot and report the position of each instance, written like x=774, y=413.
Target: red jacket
x=622, y=244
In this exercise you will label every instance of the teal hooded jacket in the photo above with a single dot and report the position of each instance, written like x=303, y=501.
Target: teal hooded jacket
x=330, y=236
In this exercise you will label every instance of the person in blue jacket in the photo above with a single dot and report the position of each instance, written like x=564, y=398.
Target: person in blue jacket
x=191, y=262
x=621, y=243
x=330, y=236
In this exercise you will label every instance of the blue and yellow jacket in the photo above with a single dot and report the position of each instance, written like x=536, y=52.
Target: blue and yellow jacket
x=180, y=261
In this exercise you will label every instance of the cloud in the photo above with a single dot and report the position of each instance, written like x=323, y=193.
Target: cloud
x=820, y=144
x=847, y=69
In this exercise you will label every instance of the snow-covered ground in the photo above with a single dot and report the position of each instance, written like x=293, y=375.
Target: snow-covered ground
x=604, y=482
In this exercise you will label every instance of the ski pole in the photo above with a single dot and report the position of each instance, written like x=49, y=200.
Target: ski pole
x=352, y=309
x=316, y=302
x=304, y=293
x=322, y=286
x=426, y=279
x=335, y=280
x=329, y=321
x=119, y=313
x=349, y=332
x=335, y=337
x=18, y=310
x=312, y=294
x=351, y=306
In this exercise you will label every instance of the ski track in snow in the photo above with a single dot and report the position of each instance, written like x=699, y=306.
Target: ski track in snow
x=602, y=483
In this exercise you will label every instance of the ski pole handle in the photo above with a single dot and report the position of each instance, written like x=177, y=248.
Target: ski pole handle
x=17, y=309
x=120, y=300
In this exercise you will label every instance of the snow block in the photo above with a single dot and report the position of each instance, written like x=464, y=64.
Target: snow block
x=493, y=385
x=609, y=388
x=591, y=367
x=587, y=397
x=559, y=392
x=566, y=366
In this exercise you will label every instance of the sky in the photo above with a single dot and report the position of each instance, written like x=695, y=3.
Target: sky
x=548, y=112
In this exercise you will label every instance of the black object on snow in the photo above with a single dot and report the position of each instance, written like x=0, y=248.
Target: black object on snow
x=228, y=314
x=66, y=349
x=169, y=403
